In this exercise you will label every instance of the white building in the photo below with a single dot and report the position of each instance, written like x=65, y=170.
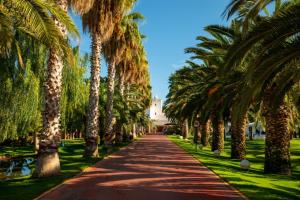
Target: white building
x=156, y=114
x=256, y=129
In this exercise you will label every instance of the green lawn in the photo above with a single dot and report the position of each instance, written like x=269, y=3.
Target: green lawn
x=254, y=183
x=17, y=151
x=71, y=164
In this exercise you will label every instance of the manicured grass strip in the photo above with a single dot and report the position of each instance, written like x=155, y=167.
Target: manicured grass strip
x=72, y=163
x=253, y=183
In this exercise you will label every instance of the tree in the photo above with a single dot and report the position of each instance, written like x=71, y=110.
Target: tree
x=40, y=26
x=274, y=38
x=100, y=20
x=123, y=38
x=48, y=161
x=74, y=98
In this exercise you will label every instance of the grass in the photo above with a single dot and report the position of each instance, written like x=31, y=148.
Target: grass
x=253, y=183
x=72, y=163
x=12, y=151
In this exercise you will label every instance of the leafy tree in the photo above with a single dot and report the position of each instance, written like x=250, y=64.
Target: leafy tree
x=74, y=99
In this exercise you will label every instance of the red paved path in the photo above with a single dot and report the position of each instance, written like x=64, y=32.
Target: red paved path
x=152, y=168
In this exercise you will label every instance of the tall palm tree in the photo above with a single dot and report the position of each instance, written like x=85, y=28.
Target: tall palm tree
x=133, y=68
x=138, y=77
x=100, y=20
x=212, y=51
x=48, y=161
x=205, y=132
x=114, y=51
x=209, y=87
x=183, y=100
x=270, y=76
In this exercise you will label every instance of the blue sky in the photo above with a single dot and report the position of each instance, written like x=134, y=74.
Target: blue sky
x=170, y=26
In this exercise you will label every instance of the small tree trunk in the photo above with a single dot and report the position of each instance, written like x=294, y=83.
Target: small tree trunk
x=36, y=142
x=197, y=135
x=91, y=136
x=109, y=135
x=251, y=134
x=277, y=150
x=119, y=133
x=134, y=131
x=121, y=84
x=204, y=129
x=238, y=137
x=218, y=132
x=185, y=129
x=149, y=129
x=119, y=129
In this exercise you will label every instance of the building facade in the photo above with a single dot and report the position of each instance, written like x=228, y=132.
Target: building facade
x=156, y=114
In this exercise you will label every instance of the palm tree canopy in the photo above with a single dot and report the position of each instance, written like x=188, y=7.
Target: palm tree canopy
x=38, y=24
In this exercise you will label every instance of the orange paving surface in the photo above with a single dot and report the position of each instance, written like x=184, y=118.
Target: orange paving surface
x=152, y=168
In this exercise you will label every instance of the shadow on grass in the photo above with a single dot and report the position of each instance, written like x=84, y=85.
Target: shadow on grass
x=267, y=193
x=253, y=183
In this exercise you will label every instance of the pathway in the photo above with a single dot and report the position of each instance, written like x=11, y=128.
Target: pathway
x=152, y=168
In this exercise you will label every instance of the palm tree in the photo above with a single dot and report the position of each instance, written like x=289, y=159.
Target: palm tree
x=114, y=51
x=100, y=20
x=39, y=25
x=205, y=132
x=133, y=68
x=207, y=91
x=182, y=104
x=137, y=78
x=212, y=52
x=271, y=75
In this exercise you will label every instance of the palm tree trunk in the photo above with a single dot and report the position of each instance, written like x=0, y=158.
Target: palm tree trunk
x=196, y=134
x=251, y=135
x=238, y=137
x=119, y=131
x=48, y=163
x=185, y=129
x=91, y=136
x=109, y=135
x=204, y=129
x=277, y=149
x=218, y=132
x=121, y=84
x=149, y=129
x=133, y=130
